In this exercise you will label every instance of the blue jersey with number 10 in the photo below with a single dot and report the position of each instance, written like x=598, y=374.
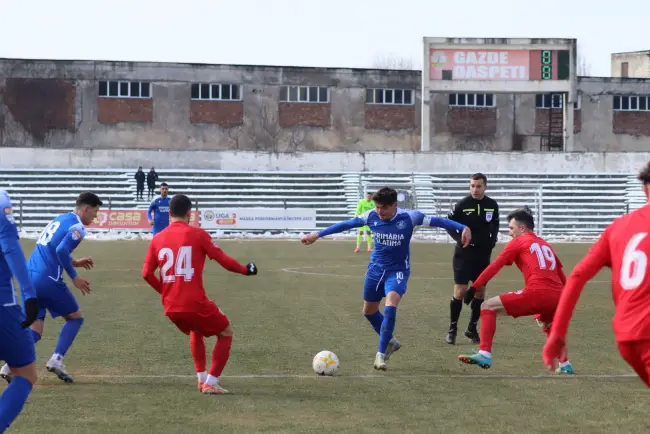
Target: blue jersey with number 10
x=392, y=237
x=54, y=247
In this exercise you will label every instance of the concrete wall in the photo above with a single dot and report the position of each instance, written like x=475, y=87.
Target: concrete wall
x=451, y=162
x=55, y=104
x=135, y=123
x=638, y=64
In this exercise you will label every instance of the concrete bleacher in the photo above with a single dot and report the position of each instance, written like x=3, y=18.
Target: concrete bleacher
x=564, y=204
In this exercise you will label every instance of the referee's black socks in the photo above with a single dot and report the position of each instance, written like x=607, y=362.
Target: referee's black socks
x=455, y=306
x=476, y=311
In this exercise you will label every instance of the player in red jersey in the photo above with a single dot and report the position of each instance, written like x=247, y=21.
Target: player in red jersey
x=180, y=252
x=624, y=247
x=543, y=277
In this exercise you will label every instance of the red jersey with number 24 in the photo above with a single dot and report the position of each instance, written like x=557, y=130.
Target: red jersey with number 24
x=180, y=251
x=539, y=264
x=624, y=247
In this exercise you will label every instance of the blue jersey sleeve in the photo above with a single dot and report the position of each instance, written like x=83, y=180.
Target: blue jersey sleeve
x=151, y=210
x=420, y=219
x=356, y=222
x=64, y=250
x=13, y=253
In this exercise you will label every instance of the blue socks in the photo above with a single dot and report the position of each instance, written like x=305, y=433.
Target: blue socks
x=68, y=333
x=376, y=319
x=12, y=400
x=36, y=336
x=387, y=328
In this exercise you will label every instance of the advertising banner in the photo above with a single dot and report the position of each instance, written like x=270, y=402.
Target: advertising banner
x=258, y=218
x=486, y=65
x=128, y=219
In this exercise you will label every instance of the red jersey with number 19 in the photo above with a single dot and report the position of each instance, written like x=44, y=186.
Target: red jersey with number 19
x=179, y=251
x=539, y=264
x=624, y=247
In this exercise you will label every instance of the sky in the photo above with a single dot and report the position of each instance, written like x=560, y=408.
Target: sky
x=323, y=33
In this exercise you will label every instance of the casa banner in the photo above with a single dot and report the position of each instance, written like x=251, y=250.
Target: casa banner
x=129, y=219
x=258, y=218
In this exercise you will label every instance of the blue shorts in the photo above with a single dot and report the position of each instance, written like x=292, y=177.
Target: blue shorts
x=53, y=295
x=380, y=282
x=16, y=343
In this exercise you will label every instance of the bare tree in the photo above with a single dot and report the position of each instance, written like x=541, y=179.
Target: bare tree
x=393, y=61
x=235, y=135
x=297, y=137
x=583, y=66
x=264, y=129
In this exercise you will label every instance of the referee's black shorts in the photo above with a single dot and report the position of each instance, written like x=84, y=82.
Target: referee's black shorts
x=468, y=264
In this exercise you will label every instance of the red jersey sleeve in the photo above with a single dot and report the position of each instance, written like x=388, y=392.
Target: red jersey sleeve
x=149, y=268
x=216, y=254
x=597, y=258
x=506, y=257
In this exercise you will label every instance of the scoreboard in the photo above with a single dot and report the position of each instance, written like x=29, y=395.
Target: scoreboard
x=549, y=64
x=489, y=64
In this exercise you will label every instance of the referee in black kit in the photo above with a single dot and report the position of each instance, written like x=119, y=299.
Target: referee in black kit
x=481, y=214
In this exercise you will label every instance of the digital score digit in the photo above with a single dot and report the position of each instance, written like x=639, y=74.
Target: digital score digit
x=547, y=64
x=550, y=65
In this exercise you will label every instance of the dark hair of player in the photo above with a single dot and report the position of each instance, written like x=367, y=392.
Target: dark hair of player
x=164, y=184
x=479, y=175
x=88, y=198
x=180, y=205
x=385, y=196
x=644, y=175
x=523, y=215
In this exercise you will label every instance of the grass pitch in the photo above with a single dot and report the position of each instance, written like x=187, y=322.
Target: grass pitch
x=134, y=372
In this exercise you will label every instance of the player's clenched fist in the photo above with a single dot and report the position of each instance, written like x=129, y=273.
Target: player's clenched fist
x=251, y=270
x=309, y=238
x=466, y=236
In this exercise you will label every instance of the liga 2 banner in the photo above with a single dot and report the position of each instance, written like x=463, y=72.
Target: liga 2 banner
x=258, y=218
x=128, y=219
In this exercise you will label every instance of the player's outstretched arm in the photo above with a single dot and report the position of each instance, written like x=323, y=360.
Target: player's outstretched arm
x=420, y=219
x=149, y=269
x=455, y=215
x=216, y=254
x=506, y=257
x=356, y=222
x=597, y=258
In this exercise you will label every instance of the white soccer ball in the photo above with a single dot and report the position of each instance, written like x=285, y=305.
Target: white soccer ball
x=325, y=363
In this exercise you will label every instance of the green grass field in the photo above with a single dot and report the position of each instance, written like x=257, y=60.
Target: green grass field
x=134, y=372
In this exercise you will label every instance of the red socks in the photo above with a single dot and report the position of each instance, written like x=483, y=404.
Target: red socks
x=197, y=346
x=488, y=328
x=220, y=355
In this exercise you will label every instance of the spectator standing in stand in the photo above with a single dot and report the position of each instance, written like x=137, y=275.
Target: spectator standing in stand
x=152, y=177
x=139, y=183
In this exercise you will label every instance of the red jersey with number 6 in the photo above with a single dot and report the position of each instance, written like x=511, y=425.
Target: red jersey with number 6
x=539, y=264
x=180, y=251
x=624, y=247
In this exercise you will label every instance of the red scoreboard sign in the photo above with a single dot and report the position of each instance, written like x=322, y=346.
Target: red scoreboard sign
x=498, y=65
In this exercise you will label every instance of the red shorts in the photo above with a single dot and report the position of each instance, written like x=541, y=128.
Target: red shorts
x=541, y=303
x=210, y=321
x=637, y=355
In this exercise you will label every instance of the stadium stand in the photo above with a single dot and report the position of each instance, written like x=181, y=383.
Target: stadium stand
x=579, y=205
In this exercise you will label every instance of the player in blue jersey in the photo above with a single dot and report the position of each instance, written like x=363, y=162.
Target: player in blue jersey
x=16, y=344
x=158, y=213
x=389, y=268
x=52, y=256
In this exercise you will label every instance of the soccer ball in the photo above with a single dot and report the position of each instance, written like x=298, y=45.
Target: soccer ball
x=325, y=363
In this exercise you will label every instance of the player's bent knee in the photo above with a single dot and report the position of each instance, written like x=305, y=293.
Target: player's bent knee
x=393, y=298
x=370, y=307
x=28, y=372
x=38, y=326
x=74, y=315
x=227, y=332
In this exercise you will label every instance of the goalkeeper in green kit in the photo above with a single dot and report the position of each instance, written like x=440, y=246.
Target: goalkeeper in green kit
x=364, y=206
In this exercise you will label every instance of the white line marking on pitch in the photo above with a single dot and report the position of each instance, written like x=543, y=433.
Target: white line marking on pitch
x=297, y=376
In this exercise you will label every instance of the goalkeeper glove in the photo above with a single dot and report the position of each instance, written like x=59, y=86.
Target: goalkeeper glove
x=251, y=270
x=469, y=295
